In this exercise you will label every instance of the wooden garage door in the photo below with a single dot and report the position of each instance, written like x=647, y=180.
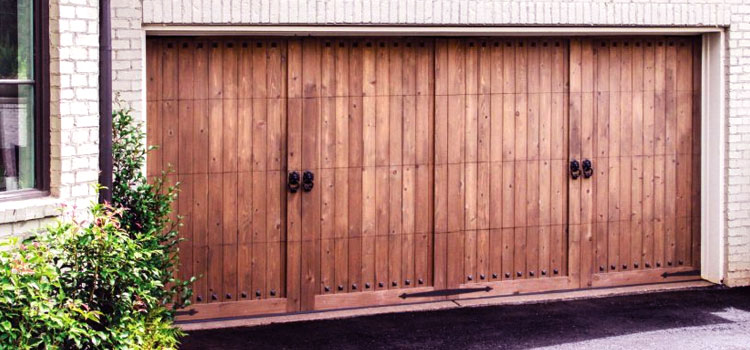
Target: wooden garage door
x=440, y=167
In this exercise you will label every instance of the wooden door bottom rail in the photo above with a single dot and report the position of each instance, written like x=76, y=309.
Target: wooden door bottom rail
x=223, y=310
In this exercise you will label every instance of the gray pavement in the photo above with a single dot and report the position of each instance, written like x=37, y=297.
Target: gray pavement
x=708, y=318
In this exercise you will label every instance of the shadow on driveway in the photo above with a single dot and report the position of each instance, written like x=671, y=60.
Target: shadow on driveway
x=498, y=327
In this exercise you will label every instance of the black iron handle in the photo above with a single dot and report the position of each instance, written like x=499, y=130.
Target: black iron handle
x=575, y=169
x=588, y=170
x=292, y=182
x=307, y=180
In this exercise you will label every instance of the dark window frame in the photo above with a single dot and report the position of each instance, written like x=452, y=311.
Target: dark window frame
x=41, y=85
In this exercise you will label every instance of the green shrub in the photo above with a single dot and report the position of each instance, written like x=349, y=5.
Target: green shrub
x=34, y=310
x=84, y=285
x=104, y=281
x=148, y=205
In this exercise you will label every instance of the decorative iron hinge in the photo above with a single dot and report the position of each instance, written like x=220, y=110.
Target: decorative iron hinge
x=681, y=273
x=444, y=292
x=190, y=312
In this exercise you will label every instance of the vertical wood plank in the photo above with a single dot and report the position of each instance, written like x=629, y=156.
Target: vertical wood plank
x=614, y=172
x=327, y=162
x=200, y=142
x=441, y=161
x=310, y=161
x=294, y=145
x=342, y=171
x=355, y=164
x=601, y=157
x=648, y=153
x=154, y=64
x=369, y=140
x=670, y=168
x=215, y=186
x=636, y=178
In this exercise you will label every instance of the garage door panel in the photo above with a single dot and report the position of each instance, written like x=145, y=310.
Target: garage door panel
x=233, y=239
x=643, y=106
x=494, y=155
x=361, y=110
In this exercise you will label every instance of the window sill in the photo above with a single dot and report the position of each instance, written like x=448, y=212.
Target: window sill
x=33, y=206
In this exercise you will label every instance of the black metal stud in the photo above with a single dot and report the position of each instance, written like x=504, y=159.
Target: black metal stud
x=482, y=276
x=469, y=277
x=612, y=267
x=544, y=272
x=601, y=268
x=199, y=298
x=680, y=262
x=624, y=266
x=648, y=265
x=494, y=275
x=327, y=288
x=257, y=293
x=519, y=273
x=420, y=281
x=367, y=285
x=507, y=275
x=273, y=292
x=555, y=271
x=341, y=287
x=394, y=283
x=658, y=264
x=214, y=296
x=635, y=265
x=531, y=273
x=243, y=294
x=669, y=263
x=229, y=296
x=354, y=286
x=407, y=282
x=380, y=284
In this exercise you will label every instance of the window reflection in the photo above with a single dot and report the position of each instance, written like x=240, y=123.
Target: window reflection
x=16, y=39
x=16, y=137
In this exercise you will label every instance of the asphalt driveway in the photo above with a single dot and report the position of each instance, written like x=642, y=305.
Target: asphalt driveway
x=713, y=318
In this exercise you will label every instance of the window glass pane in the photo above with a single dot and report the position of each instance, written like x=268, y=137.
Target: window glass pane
x=16, y=137
x=16, y=39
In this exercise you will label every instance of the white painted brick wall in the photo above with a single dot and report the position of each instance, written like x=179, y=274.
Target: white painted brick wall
x=732, y=14
x=74, y=124
x=127, y=60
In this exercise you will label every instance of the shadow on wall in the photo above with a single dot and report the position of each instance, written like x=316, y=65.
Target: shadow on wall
x=506, y=327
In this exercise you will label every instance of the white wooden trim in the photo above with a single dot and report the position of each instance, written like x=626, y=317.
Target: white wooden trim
x=713, y=159
x=330, y=30
x=144, y=99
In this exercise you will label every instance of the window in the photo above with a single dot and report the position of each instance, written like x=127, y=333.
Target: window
x=23, y=91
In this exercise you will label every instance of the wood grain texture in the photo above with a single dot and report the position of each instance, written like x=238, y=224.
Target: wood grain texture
x=644, y=125
x=369, y=227
x=439, y=163
x=218, y=115
x=501, y=151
